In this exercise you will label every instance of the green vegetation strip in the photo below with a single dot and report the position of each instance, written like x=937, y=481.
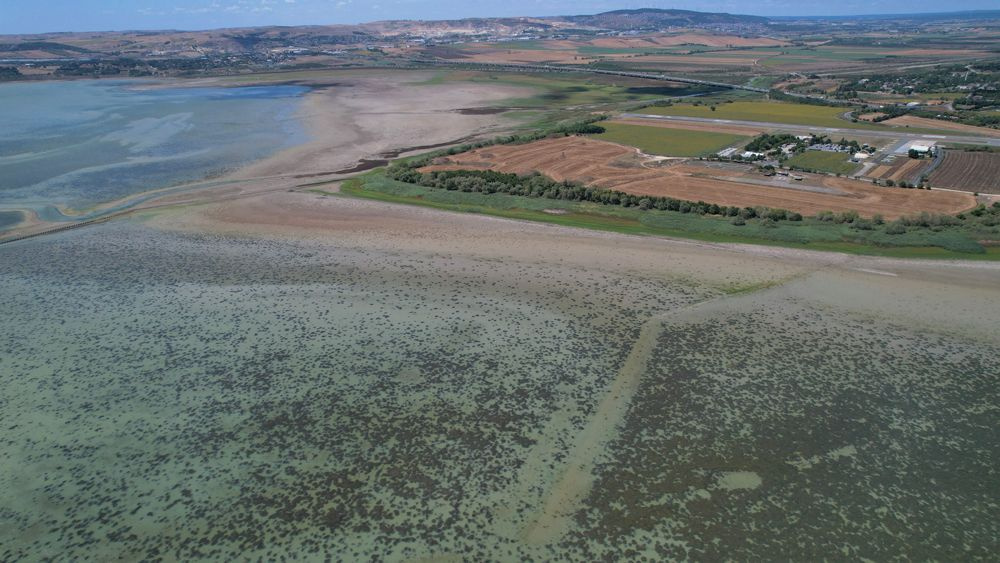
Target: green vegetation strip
x=667, y=142
x=917, y=241
x=823, y=161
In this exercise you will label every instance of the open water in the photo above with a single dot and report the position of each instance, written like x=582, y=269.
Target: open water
x=76, y=144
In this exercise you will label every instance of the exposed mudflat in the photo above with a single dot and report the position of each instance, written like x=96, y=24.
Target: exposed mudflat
x=292, y=374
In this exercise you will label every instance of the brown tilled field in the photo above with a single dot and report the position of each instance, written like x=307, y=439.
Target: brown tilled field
x=925, y=123
x=903, y=169
x=616, y=167
x=971, y=171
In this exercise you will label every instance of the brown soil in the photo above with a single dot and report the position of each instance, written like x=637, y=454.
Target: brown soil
x=903, y=169
x=871, y=116
x=972, y=171
x=608, y=165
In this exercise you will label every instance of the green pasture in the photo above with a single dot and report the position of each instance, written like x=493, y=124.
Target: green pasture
x=668, y=142
x=823, y=161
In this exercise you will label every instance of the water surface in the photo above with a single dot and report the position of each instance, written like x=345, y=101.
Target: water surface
x=186, y=396
x=77, y=144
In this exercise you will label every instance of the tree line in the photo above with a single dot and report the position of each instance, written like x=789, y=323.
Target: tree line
x=539, y=186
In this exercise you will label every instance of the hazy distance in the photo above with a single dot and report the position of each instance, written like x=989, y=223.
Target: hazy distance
x=25, y=16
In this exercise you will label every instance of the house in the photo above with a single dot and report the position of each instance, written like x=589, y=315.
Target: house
x=859, y=156
x=922, y=149
x=750, y=155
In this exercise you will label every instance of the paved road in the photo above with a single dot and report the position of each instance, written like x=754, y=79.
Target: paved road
x=805, y=130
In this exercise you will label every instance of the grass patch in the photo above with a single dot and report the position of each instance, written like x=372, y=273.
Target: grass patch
x=667, y=142
x=822, y=161
x=809, y=234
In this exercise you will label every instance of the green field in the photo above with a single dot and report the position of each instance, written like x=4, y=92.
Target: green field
x=809, y=233
x=667, y=142
x=773, y=112
x=822, y=161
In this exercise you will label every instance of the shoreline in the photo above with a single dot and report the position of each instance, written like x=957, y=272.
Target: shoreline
x=340, y=116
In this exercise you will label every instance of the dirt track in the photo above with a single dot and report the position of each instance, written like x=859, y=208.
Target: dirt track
x=621, y=168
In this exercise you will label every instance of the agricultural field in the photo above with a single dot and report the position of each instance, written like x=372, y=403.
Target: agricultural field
x=823, y=161
x=900, y=169
x=668, y=142
x=613, y=166
x=971, y=171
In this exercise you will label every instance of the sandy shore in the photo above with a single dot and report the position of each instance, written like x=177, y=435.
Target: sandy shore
x=350, y=116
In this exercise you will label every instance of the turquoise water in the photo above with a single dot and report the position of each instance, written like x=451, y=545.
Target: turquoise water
x=196, y=396
x=80, y=143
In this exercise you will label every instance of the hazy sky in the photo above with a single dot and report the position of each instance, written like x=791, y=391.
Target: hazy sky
x=34, y=16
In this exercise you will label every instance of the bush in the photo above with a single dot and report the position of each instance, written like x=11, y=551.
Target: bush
x=738, y=221
x=895, y=228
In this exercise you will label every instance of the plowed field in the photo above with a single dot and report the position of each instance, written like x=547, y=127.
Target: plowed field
x=972, y=171
x=621, y=168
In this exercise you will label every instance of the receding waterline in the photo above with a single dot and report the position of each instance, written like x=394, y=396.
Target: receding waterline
x=77, y=145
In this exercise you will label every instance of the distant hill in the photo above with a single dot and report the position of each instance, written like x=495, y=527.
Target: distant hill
x=654, y=18
x=262, y=39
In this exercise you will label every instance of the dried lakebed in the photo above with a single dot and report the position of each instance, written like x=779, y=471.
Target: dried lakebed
x=183, y=395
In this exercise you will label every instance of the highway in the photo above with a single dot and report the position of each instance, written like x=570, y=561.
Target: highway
x=844, y=131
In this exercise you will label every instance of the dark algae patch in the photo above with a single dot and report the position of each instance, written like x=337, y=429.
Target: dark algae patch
x=776, y=428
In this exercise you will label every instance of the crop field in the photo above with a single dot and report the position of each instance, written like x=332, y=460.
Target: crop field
x=824, y=161
x=668, y=142
x=900, y=169
x=972, y=171
x=613, y=166
x=772, y=112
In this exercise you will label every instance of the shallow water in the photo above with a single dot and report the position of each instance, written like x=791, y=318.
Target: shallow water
x=191, y=396
x=80, y=143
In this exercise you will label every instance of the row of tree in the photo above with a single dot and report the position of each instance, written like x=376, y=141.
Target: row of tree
x=536, y=185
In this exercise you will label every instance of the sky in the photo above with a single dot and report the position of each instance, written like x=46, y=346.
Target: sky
x=38, y=16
